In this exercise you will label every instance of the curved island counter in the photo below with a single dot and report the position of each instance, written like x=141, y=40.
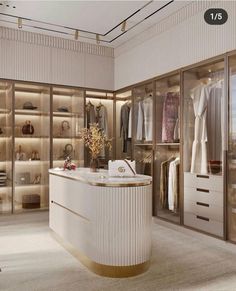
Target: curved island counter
x=106, y=219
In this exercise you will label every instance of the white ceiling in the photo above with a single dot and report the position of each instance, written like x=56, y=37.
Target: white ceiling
x=95, y=16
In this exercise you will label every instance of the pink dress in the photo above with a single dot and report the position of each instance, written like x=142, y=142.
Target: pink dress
x=170, y=116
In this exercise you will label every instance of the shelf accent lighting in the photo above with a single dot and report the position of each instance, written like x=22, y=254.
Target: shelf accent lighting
x=76, y=34
x=19, y=22
x=123, y=26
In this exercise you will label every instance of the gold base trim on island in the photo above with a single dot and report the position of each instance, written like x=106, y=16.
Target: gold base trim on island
x=104, y=270
x=113, y=271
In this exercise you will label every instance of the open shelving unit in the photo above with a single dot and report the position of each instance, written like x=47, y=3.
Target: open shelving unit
x=67, y=122
x=6, y=94
x=31, y=156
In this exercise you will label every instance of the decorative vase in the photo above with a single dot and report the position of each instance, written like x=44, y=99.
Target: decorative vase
x=94, y=165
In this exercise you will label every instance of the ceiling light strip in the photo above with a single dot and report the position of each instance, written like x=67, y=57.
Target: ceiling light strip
x=97, y=35
x=128, y=17
x=141, y=21
x=158, y=9
x=81, y=30
x=47, y=23
x=52, y=30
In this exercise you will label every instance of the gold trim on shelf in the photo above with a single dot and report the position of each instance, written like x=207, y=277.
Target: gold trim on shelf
x=101, y=269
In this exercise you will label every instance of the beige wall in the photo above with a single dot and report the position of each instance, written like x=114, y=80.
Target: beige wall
x=179, y=40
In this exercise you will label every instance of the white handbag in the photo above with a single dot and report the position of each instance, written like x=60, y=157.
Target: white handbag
x=121, y=168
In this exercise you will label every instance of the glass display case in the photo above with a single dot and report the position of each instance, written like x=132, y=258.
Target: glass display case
x=124, y=125
x=142, y=128
x=31, y=112
x=204, y=144
x=231, y=198
x=99, y=109
x=67, y=122
x=166, y=179
x=6, y=94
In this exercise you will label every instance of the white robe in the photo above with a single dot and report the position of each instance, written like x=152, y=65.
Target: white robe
x=144, y=122
x=200, y=96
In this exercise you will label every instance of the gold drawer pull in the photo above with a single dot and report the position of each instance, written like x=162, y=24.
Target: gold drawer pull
x=202, y=218
x=203, y=176
x=203, y=204
x=202, y=190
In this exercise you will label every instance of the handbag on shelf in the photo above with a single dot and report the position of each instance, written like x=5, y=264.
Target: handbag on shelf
x=28, y=128
x=23, y=178
x=121, y=168
x=65, y=128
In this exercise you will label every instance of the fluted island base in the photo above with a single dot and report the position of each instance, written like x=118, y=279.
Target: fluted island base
x=108, y=224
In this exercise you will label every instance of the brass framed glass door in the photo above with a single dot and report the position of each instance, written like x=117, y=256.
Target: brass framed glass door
x=166, y=175
x=6, y=94
x=231, y=195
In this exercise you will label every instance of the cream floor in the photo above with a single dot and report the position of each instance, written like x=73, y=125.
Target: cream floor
x=32, y=260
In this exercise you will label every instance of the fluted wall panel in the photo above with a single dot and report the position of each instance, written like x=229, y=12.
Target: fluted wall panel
x=34, y=57
x=68, y=67
x=56, y=42
x=180, y=40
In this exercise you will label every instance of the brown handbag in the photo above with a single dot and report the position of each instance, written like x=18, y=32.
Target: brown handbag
x=28, y=128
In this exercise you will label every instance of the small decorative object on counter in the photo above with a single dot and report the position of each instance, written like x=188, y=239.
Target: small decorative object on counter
x=95, y=139
x=1, y=131
x=28, y=128
x=68, y=165
x=121, y=168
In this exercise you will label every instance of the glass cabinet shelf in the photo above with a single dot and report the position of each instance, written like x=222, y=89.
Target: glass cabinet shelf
x=31, y=136
x=29, y=112
x=67, y=114
x=31, y=185
x=69, y=137
x=31, y=162
x=4, y=111
x=168, y=144
x=143, y=144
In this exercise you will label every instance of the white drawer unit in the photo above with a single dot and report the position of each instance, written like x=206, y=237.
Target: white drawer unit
x=203, y=202
x=206, y=210
x=209, y=182
x=204, y=195
x=201, y=223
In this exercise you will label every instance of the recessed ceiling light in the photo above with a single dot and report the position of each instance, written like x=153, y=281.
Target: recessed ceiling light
x=123, y=26
x=76, y=34
x=19, y=22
